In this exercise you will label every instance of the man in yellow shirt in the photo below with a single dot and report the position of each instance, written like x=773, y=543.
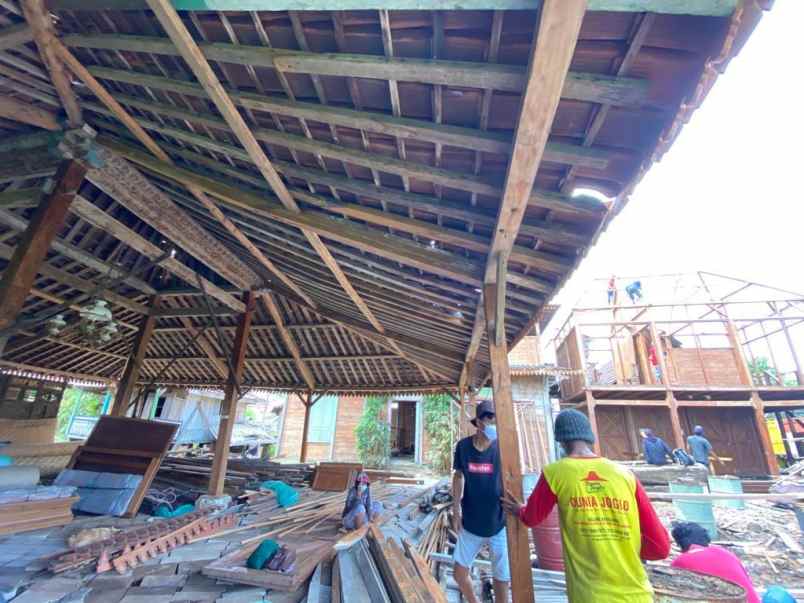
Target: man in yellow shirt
x=607, y=521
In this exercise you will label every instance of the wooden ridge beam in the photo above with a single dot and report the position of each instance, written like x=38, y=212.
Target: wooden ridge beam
x=705, y=8
x=95, y=87
x=17, y=110
x=379, y=123
x=581, y=206
x=100, y=219
x=192, y=54
x=38, y=17
x=15, y=35
x=269, y=301
x=596, y=88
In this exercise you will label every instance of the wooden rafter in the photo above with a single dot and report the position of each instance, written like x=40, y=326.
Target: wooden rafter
x=269, y=301
x=79, y=70
x=192, y=54
x=15, y=35
x=38, y=18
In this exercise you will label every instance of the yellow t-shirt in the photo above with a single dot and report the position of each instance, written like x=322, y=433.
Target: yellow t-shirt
x=599, y=530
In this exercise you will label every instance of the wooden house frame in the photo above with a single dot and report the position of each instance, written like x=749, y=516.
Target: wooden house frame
x=368, y=196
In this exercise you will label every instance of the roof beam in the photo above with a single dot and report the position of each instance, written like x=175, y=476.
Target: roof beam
x=192, y=54
x=380, y=123
x=38, y=18
x=596, y=88
x=575, y=206
x=123, y=183
x=79, y=70
x=281, y=358
x=368, y=239
x=16, y=35
x=707, y=8
x=100, y=219
x=269, y=301
x=22, y=197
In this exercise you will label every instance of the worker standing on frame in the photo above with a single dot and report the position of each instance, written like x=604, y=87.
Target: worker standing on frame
x=607, y=521
x=477, y=511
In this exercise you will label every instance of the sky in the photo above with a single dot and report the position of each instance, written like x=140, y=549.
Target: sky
x=726, y=197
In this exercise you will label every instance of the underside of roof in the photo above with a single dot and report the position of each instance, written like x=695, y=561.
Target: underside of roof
x=392, y=130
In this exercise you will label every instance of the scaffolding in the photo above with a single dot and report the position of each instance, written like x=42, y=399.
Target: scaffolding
x=689, y=341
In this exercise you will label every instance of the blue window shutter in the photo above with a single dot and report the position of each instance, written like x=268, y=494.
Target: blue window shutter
x=322, y=420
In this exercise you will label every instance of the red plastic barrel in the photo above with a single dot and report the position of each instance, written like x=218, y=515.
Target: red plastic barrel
x=547, y=540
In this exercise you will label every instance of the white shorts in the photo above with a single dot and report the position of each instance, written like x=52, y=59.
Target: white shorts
x=469, y=545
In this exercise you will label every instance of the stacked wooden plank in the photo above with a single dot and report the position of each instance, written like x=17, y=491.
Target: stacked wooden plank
x=35, y=514
x=197, y=470
x=405, y=573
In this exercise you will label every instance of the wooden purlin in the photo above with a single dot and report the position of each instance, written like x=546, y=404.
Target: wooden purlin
x=16, y=110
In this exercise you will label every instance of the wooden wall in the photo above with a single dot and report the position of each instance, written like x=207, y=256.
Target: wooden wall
x=686, y=366
x=733, y=433
x=36, y=431
x=618, y=429
x=345, y=443
x=568, y=355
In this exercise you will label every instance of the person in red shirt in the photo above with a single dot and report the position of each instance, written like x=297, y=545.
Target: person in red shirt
x=697, y=555
x=607, y=521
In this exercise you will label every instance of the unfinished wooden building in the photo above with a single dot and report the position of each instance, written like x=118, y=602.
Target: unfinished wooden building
x=363, y=197
x=715, y=351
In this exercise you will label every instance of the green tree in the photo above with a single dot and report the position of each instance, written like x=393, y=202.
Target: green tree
x=76, y=402
x=373, y=433
x=438, y=428
x=762, y=372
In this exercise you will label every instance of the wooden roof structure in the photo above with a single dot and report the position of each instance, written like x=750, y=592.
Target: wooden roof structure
x=359, y=169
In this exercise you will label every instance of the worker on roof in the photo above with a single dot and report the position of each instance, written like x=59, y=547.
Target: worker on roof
x=698, y=556
x=656, y=450
x=611, y=291
x=477, y=512
x=634, y=291
x=359, y=508
x=607, y=521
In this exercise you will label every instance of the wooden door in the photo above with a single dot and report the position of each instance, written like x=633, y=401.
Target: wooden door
x=733, y=433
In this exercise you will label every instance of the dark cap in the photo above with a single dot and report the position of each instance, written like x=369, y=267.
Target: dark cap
x=485, y=407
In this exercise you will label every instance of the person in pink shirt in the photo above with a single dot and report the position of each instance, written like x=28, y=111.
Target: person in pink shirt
x=697, y=555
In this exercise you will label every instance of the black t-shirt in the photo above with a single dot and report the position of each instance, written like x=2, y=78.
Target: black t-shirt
x=480, y=505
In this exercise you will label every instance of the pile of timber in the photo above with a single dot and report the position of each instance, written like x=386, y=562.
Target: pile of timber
x=405, y=574
x=791, y=481
x=195, y=471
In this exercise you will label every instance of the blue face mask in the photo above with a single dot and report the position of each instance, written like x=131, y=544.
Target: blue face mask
x=490, y=431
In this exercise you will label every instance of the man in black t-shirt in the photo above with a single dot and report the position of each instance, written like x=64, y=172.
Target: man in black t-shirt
x=477, y=513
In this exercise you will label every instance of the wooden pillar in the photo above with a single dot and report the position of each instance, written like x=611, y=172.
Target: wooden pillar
x=657, y=343
x=132, y=371
x=590, y=411
x=787, y=450
x=675, y=421
x=517, y=532
x=307, y=400
x=230, y=398
x=47, y=220
x=764, y=436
